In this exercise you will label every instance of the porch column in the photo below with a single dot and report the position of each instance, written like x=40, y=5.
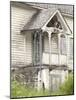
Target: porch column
x=49, y=35
x=59, y=48
x=40, y=51
x=40, y=64
x=34, y=46
x=67, y=51
x=49, y=31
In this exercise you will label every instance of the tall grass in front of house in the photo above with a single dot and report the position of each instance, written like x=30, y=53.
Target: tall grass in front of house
x=67, y=88
x=19, y=90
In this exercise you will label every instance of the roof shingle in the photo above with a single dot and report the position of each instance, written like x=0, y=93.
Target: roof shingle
x=42, y=15
x=39, y=19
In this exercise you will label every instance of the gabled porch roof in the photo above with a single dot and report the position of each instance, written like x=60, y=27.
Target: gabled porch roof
x=39, y=19
x=42, y=17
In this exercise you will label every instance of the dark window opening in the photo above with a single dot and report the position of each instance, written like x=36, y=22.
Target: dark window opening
x=54, y=23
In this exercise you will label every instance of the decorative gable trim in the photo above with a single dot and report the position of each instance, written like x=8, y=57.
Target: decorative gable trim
x=68, y=30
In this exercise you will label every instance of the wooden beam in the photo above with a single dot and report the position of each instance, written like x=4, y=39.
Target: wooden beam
x=40, y=38
x=59, y=48
x=49, y=35
x=34, y=47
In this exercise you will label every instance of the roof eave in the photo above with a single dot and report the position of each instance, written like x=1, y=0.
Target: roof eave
x=67, y=15
x=22, y=31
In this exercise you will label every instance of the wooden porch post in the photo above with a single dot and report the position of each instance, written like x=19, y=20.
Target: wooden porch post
x=67, y=43
x=59, y=48
x=40, y=61
x=49, y=35
x=40, y=34
x=34, y=48
x=49, y=31
x=67, y=51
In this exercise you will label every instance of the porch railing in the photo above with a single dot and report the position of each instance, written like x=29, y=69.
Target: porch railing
x=54, y=59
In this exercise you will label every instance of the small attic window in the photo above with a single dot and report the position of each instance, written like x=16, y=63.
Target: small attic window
x=54, y=23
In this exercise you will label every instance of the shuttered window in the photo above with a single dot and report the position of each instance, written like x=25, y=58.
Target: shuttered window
x=63, y=44
x=71, y=48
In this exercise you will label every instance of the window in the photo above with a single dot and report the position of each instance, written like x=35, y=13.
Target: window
x=54, y=43
x=63, y=44
x=71, y=48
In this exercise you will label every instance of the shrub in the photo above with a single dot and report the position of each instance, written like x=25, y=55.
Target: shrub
x=68, y=86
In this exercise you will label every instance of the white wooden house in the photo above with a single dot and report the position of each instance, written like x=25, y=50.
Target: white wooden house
x=42, y=38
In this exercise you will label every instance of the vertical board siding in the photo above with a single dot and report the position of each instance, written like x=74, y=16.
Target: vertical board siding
x=19, y=18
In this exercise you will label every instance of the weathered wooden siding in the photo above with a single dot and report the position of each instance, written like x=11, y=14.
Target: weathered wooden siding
x=19, y=17
x=53, y=79
x=69, y=21
x=28, y=48
x=70, y=57
x=57, y=77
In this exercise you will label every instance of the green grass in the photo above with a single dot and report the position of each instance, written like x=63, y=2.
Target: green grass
x=67, y=88
x=18, y=90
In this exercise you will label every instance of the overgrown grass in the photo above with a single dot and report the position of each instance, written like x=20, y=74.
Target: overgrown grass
x=67, y=88
x=18, y=90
